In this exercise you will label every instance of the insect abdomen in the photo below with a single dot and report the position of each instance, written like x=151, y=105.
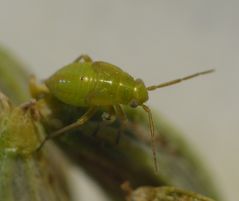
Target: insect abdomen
x=73, y=83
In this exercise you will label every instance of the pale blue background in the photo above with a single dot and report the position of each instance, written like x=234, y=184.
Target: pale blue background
x=156, y=41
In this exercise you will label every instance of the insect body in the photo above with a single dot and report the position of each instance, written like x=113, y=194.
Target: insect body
x=90, y=83
x=85, y=83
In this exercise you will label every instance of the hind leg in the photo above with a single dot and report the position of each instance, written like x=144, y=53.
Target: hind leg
x=83, y=58
x=82, y=120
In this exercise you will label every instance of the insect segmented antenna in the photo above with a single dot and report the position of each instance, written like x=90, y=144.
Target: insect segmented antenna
x=151, y=128
x=146, y=108
x=172, y=82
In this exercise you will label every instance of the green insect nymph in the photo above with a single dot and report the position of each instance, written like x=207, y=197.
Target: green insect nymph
x=87, y=83
x=97, y=83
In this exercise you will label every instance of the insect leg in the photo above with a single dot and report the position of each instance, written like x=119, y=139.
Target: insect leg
x=108, y=118
x=83, y=58
x=37, y=90
x=151, y=127
x=82, y=120
x=123, y=119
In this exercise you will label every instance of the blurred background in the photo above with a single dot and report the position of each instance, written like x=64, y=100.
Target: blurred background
x=153, y=40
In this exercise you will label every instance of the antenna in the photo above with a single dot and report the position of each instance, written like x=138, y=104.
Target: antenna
x=151, y=128
x=176, y=81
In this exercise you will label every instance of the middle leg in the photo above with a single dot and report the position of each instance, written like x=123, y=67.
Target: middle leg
x=108, y=118
x=123, y=120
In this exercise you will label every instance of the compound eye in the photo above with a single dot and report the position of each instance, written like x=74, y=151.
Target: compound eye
x=133, y=103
